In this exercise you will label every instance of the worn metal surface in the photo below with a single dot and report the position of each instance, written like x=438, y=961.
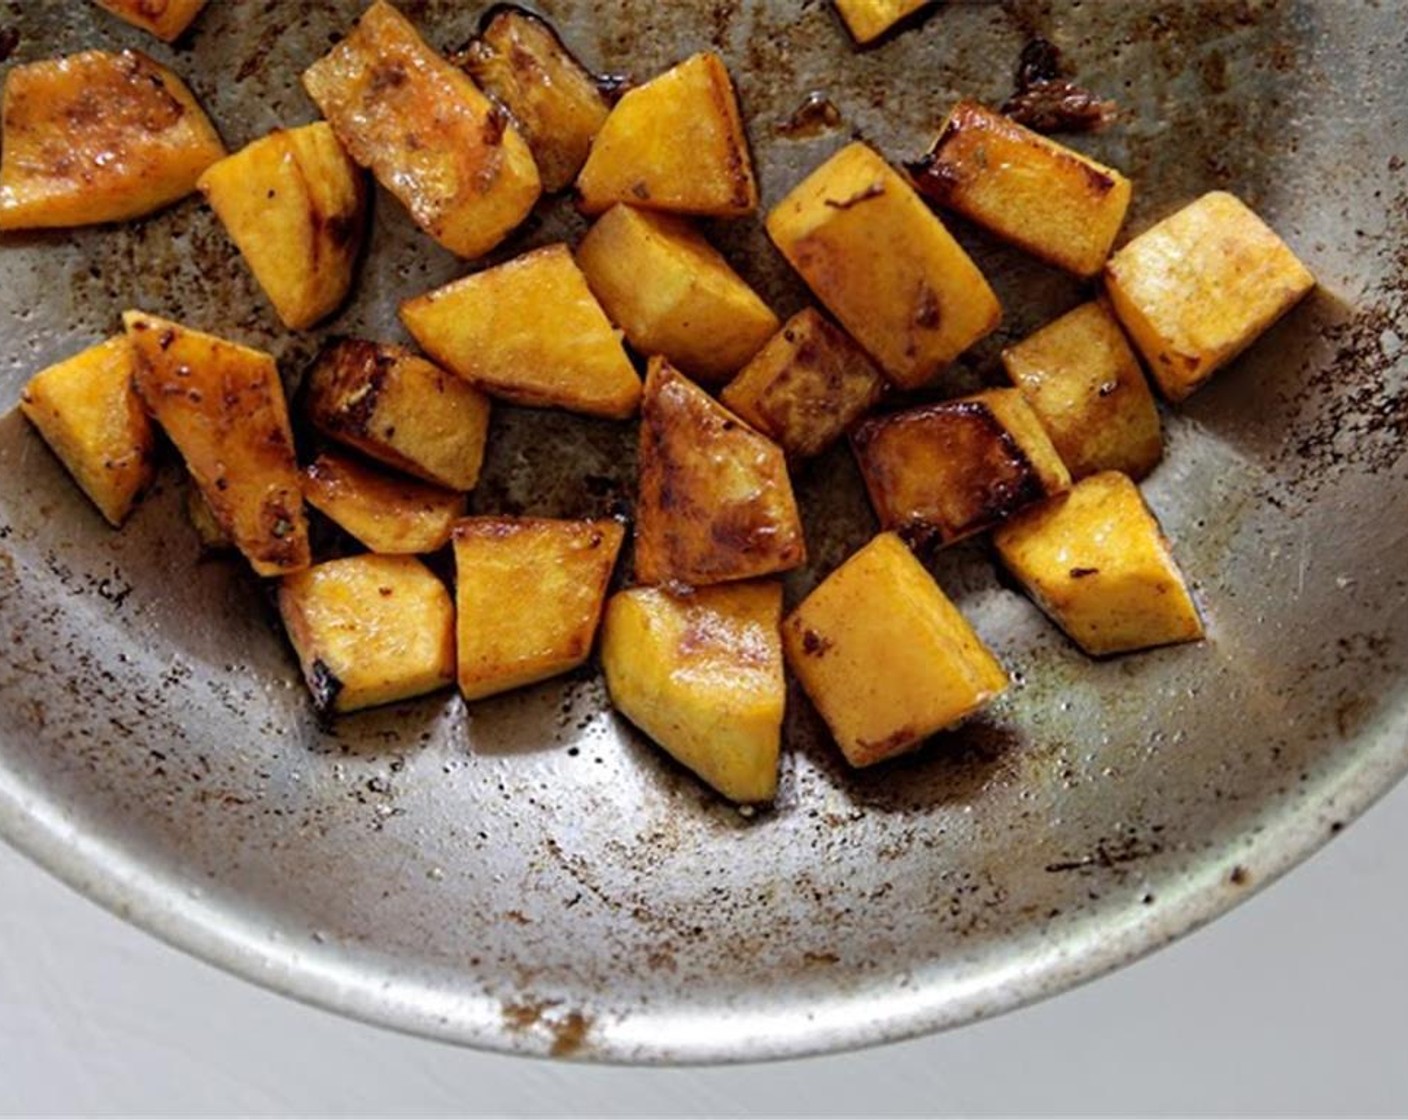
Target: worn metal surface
x=528, y=874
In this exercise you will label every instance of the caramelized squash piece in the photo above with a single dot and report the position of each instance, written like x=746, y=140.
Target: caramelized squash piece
x=884, y=265
x=519, y=60
x=702, y=675
x=91, y=418
x=715, y=501
x=369, y=630
x=675, y=143
x=529, y=595
x=223, y=406
x=673, y=293
x=1200, y=287
x=1046, y=198
x=401, y=410
x=165, y=19
x=942, y=472
x=1097, y=563
x=295, y=205
x=885, y=656
x=390, y=514
x=98, y=137
x=431, y=138
x=807, y=386
x=867, y=20
x=529, y=331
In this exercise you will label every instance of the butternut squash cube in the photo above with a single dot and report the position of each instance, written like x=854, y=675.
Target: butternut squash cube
x=98, y=137
x=715, y=502
x=530, y=593
x=675, y=143
x=867, y=20
x=91, y=418
x=885, y=656
x=389, y=514
x=673, y=294
x=401, y=410
x=426, y=131
x=295, y=205
x=223, y=406
x=165, y=19
x=529, y=331
x=1200, y=287
x=942, y=472
x=1085, y=385
x=884, y=265
x=807, y=386
x=702, y=675
x=369, y=630
x=519, y=60
x=1042, y=196
x=1097, y=563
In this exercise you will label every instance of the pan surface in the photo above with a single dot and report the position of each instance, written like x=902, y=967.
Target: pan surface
x=527, y=873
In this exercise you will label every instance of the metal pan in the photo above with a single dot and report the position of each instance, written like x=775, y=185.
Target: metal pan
x=528, y=874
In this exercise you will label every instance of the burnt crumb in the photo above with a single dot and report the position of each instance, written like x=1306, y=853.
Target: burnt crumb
x=815, y=115
x=166, y=338
x=390, y=76
x=927, y=313
x=325, y=686
x=814, y=644
x=1082, y=573
x=1107, y=388
x=1109, y=856
x=9, y=41
x=1045, y=101
x=875, y=190
x=640, y=191
x=1240, y=876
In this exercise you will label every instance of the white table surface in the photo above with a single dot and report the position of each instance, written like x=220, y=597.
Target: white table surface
x=1294, y=1004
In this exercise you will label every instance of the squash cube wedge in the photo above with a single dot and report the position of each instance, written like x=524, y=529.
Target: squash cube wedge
x=1200, y=287
x=426, y=131
x=702, y=675
x=884, y=265
x=390, y=514
x=530, y=593
x=98, y=137
x=942, y=472
x=715, y=501
x=673, y=293
x=90, y=416
x=675, y=143
x=369, y=630
x=529, y=331
x=867, y=20
x=295, y=205
x=885, y=656
x=223, y=406
x=1042, y=196
x=165, y=19
x=401, y=410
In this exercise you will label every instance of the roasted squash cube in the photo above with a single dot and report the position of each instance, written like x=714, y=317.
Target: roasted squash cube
x=942, y=472
x=1084, y=383
x=519, y=60
x=165, y=19
x=98, y=137
x=401, y=410
x=529, y=593
x=1097, y=563
x=673, y=293
x=715, y=502
x=529, y=331
x=807, y=386
x=867, y=20
x=1200, y=287
x=675, y=143
x=369, y=630
x=884, y=265
x=1046, y=198
x=223, y=406
x=91, y=418
x=295, y=205
x=885, y=655
x=431, y=138
x=390, y=514
x=702, y=675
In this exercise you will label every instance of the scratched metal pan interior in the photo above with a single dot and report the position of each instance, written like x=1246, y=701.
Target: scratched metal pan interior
x=528, y=874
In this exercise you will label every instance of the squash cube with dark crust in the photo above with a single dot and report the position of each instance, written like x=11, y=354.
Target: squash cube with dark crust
x=885, y=655
x=715, y=501
x=867, y=20
x=165, y=19
x=942, y=472
x=401, y=410
x=391, y=514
